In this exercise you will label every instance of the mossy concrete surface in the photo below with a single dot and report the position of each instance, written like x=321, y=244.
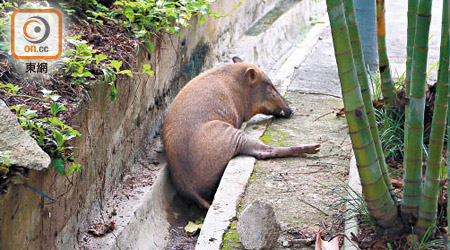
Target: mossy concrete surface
x=302, y=189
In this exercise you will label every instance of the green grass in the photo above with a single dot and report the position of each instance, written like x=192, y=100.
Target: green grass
x=355, y=204
x=390, y=127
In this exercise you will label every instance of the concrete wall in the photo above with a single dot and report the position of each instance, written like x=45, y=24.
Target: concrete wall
x=112, y=133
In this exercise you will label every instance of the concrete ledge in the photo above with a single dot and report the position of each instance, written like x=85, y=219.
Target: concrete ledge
x=223, y=209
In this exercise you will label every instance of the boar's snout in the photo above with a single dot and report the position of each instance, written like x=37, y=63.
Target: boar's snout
x=285, y=112
x=290, y=112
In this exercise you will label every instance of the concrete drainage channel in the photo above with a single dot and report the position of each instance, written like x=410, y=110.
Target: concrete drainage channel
x=145, y=220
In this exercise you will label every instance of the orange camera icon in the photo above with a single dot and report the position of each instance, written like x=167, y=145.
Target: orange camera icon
x=36, y=34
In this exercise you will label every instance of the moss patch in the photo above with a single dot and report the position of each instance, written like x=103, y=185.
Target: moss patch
x=231, y=238
x=276, y=137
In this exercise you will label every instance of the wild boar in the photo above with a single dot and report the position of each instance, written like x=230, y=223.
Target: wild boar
x=201, y=130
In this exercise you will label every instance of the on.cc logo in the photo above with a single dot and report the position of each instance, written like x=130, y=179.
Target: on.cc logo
x=36, y=34
x=42, y=24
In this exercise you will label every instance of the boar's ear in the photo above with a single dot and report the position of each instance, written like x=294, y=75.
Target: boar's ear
x=250, y=74
x=237, y=59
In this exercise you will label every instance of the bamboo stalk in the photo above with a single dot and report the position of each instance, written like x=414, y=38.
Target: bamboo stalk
x=378, y=199
x=411, y=33
x=415, y=110
x=429, y=201
x=363, y=80
x=387, y=85
x=412, y=13
x=447, y=239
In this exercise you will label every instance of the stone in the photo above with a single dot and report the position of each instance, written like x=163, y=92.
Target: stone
x=258, y=227
x=24, y=151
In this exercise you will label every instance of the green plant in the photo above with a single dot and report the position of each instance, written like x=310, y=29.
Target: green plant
x=5, y=162
x=76, y=60
x=149, y=17
x=51, y=134
x=110, y=72
x=355, y=205
x=49, y=94
x=147, y=69
x=389, y=246
x=376, y=86
x=10, y=88
x=424, y=243
x=67, y=8
x=98, y=14
x=390, y=124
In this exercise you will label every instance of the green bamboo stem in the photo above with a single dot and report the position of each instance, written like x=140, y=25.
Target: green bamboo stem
x=430, y=196
x=363, y=80
x=387, y=85
x=447, y=239
x=411, y=33
x=412, y=13
x=415, y=110
x=378, y=199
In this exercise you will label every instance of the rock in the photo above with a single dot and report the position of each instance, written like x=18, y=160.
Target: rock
x=258, y=227
x=24, y=151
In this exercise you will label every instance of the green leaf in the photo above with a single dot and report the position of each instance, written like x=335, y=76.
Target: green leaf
x=127, y=72
x=84, y=74
x=150, y=46
x=55, y=121
x=147, y=69
x=58, y=164
x=55, y=108
x=58, y=137
x=129, y=13
x=202, y=19
x=100, y=57
x=141, y=33
x=74, y=167
x=113, y=93
x=115, y=64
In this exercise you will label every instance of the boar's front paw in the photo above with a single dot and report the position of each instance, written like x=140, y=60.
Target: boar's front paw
x=308, y=149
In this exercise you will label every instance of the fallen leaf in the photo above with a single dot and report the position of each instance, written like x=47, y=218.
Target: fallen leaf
x=327, y=245
x=192, y=228
x=101, y=229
